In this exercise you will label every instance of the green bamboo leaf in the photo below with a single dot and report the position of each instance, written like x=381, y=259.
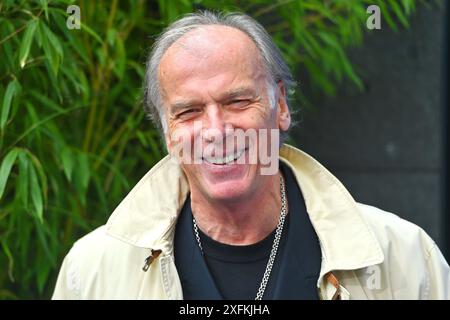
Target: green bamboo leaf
x=24, y=229
x=43, y=121
x=8, y=253
x=23, y=185
x=101, y=192
x=5, y=168
x=409, y=6
x=52, y=54
x=385, y=13
x=312, y=42
x=42, y=276
x=343, y=60
x=26, y=42
x=7, y=47
x=83, y=171
x=31, y=112
x=111, y=35
x=40, y=228
x=81, y=178
x=12, y=90
x=73, y=76
x=142, y=138
x=399, y=13
x=156, y=148
x=119, y=174
x=44, y=5
x=36, y=195
x=40, y=170
x=136, y=67
x=120, y=59
x=319, y=78
x=45, y=101
x=91, y=32
x=68, y=162
x=53, y=40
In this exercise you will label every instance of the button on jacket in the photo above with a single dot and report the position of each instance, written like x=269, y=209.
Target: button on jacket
x=367, y=253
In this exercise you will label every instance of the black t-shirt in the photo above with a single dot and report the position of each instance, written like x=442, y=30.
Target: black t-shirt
x=238, y=270
x=235, y=272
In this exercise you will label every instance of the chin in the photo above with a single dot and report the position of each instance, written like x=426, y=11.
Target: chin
x=228, y=192
x=228, y=188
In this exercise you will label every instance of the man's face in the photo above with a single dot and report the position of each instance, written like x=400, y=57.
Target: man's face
x=213, y=78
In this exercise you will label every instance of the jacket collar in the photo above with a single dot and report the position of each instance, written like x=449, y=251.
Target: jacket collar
x=346, y=241
x=147, y=216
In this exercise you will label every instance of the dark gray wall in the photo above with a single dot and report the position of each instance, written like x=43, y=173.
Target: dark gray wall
x=386, y=143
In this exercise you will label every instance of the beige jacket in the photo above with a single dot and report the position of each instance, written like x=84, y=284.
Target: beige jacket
x=367, y=253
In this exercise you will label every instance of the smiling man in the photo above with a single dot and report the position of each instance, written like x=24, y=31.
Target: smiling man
x=231, y=215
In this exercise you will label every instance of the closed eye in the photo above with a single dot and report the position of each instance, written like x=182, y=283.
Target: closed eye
x=239, y=103
x=187, y=113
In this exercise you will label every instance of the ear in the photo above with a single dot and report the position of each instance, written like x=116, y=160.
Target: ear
x=284, y=116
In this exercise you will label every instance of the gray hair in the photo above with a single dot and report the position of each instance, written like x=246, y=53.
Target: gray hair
x=276, y=67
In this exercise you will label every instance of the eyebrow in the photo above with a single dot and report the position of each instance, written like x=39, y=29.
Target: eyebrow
x=183, y=104
x=238, y=92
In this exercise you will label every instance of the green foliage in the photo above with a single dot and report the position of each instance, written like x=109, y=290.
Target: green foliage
x=73, y=137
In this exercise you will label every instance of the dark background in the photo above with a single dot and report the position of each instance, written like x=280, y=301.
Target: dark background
x=388, y=143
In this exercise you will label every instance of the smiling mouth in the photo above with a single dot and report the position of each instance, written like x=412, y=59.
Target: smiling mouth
x=224, y=160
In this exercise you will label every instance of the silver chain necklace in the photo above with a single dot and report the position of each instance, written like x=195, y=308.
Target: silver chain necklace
x=276, y=241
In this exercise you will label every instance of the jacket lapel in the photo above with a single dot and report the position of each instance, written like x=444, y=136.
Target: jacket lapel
x=346, y=241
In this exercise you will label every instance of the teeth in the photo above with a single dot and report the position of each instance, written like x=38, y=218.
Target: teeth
x=224, y=160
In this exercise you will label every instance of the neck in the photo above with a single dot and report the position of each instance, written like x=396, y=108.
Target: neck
x=240, y=222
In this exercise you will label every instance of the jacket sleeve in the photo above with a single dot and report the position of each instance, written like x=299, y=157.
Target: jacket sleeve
x=438, y=275
x=68, y=283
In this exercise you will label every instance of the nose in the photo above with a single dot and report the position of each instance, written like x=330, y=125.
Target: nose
x=215, y=125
